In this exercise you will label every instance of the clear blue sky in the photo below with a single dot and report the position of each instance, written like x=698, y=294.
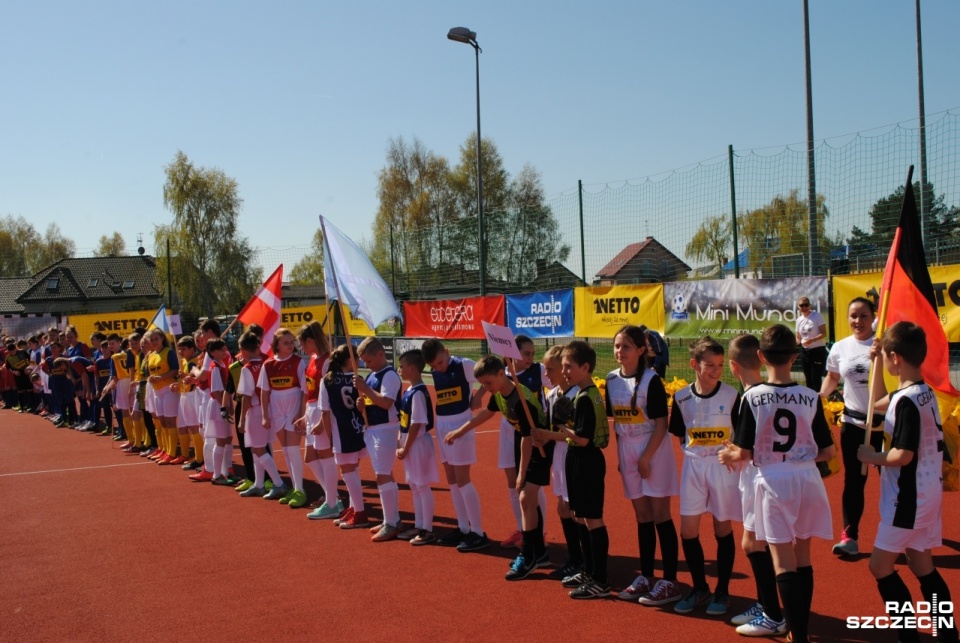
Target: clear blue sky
x=296, y=99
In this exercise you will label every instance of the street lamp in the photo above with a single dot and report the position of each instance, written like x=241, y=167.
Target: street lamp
x=462, y=34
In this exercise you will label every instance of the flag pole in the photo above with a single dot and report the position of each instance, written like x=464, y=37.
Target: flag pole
x=876, y=367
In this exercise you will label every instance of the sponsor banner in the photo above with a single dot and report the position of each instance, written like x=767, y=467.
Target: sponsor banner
x=23, y=327
x=723, y=308
x=946, y=288
x=452, y=318
x=601, y=311
x=541, y=314
x=120, y=323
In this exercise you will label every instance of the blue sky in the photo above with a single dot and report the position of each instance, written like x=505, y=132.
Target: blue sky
x=296, y=100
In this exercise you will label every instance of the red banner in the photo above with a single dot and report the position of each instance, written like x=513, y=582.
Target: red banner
x=452, y=318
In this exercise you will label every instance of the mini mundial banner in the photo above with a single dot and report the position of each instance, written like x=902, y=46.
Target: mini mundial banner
x=541, y=314
x=452, y=318
x=602, y=311
x=728, y=307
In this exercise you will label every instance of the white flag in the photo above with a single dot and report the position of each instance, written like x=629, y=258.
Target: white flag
x=351, y=279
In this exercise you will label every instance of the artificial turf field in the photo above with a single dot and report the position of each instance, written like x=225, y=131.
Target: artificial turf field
x=101, y=546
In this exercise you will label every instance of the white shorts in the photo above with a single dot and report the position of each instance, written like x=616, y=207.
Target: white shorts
x=121, y=395
x=747, y=495
x=661, y=482
x=166, y=402
x=464, y=450
x=558, y=472
x=187, y=411
x=382, y=442
x=214, y=425
x=506, y=459
x=791, y=503
x=897, y=540
x=420, y=463
x=349, y=458
x=255, y=435
x=312, y=416
x=284, y=409
x=707, y=487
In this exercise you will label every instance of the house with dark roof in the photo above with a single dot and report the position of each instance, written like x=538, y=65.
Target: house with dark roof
x=86, y=285
x=645, y=262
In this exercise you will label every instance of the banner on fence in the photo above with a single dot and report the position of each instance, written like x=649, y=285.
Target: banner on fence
x=601, y=311
x=121, y=323
x=728, y=307
x=23, y=327
x=452, y=318
x=946, y=288
x=541, y=314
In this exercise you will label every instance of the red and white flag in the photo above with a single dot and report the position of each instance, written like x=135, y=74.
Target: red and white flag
x=264, y=308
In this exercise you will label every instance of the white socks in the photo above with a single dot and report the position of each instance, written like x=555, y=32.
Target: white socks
x=471, y=499
x=390, y=501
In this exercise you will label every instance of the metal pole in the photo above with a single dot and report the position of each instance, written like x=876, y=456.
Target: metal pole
x=924, y=189
x=583, y=252
x=733, y=217
x=483, y=232
x=813, y=248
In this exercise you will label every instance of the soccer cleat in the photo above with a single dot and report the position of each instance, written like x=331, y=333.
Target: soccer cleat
x=277, y=493
x=520, y=568
x=344, y=515
x=253, y=492
x=473, y=542
x=762, y=626
x=357, y=520
x=740, y=619
x=568, y=569
x=719, y=605
x=243, y=486
x=297, y=499
x=410, y=534
x=664, y=592
x=693, y=600
x=575, y=581
x=452, y=538
x=639, y=587
x=425, y=537
x=221, y=481
x=325, y=512
x=386, y=532
x=513, y=540
x=590, y=589
x=847, y=546
x=201, y=476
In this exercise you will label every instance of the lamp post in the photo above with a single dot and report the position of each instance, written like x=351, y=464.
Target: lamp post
x=462, y=34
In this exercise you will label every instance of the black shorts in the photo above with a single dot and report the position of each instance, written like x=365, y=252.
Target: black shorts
x=586, y=469
x=538, y=471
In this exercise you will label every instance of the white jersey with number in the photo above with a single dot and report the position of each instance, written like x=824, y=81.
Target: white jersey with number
x=629, y=420
x=782, y=423
x=704, y=422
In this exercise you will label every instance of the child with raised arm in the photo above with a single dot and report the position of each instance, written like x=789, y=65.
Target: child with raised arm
x=416, y=450
x=764, y=617
x=704, y=414
x=911, y=490
x=782, y=428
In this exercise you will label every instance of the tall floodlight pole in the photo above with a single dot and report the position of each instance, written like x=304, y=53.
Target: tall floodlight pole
x=813, y=248
x=462, y=34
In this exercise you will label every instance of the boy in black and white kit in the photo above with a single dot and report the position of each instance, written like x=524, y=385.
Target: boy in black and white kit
x=782, y=428
x=911, y=488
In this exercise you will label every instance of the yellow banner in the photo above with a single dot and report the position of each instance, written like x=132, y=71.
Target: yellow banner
x=601, y=311
x=294, y=318
x=946, y=289
x=120, y=323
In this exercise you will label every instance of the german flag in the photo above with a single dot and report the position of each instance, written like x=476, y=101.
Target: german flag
x=907, y=295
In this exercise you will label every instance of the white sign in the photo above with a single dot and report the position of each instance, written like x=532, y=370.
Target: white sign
x=501, y=341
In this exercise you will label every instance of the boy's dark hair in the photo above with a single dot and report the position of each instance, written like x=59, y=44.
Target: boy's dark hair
x=215, y=345
x=210, y=325
x=743, y=351
x=866, y=302
x=487, y=365
x=187, y=342
x=414, y=357
x=522, y=340
x=113, y=337
x=704, y=345
x=778, y=345
x=256, y=329
x=582, y=353
x=907, y=340
x=369, y=345
x=431, y=349
x=249, y=341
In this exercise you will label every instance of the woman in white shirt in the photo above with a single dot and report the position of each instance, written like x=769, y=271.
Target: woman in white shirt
x=812, y=337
